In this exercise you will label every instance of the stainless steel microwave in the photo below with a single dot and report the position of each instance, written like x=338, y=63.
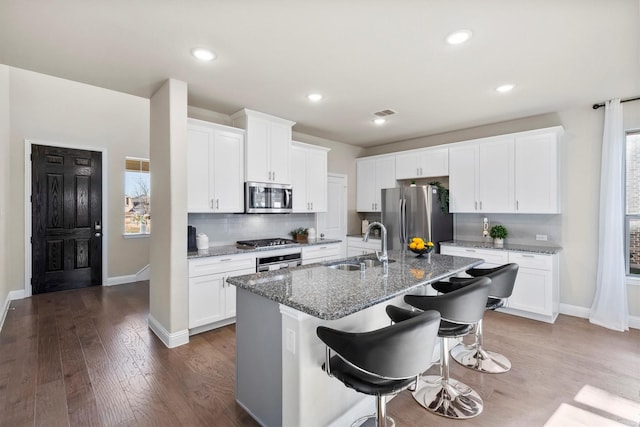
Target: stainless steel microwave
x=262, y=197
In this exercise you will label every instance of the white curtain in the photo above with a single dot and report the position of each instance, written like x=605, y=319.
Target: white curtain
x=610, y=307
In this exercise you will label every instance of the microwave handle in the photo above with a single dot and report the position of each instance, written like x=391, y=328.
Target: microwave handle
x=287, y=198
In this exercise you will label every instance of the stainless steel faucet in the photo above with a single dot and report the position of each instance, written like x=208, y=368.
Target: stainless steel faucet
x=382, y=257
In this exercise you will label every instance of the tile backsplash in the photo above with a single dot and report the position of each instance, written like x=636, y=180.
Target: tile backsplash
x=229, y=228
x=522, y=228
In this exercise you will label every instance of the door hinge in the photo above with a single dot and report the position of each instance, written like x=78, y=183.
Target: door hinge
x=31, y=240
x=31, y=157
x=31, y=281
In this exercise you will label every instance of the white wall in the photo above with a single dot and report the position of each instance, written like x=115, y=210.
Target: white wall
x=55, y=110
x=580, y=180
x=4, y=187
x=168, y=289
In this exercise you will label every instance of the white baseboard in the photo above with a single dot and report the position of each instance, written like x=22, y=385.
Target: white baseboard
x=144, y=274
x=577, y=311
x=12, y=295
x=119, y=280
x=171, y=340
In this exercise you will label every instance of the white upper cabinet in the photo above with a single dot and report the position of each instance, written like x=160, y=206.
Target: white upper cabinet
x=267, y=146
x=215, y=168
x=372, y=175
x=536, y=167
x=423, y=163
x=495, y=175
x=481, y=176
x=506, y=174
x=309, y=177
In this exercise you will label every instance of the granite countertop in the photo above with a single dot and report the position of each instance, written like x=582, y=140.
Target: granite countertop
x=536, y=249
x=330, y=294
x=234, y=249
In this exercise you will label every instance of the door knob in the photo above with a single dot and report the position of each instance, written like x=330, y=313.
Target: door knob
x=98, y=235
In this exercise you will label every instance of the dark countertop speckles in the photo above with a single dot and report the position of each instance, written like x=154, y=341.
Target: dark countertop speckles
x=233, y=249
x=330, y=294
x=535, y=249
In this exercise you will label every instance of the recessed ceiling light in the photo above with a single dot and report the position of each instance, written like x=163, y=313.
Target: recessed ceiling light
x=314, y=97
x=203, y=54
x=459, y=37
x=379, y=121
x=505, y=88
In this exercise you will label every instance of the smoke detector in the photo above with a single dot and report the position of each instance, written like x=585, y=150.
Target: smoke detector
x=384, y=113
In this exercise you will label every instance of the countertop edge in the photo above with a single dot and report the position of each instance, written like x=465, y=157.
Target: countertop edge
x=535, y=249
x=234, y=250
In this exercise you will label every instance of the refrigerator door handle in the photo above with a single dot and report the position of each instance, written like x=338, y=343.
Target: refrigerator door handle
x=403, y=214
x=400, y=222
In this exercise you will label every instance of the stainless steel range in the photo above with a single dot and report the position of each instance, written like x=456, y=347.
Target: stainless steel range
x=275, y=259
x=261, y=243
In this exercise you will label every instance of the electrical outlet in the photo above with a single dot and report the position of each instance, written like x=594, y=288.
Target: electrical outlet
x=291, y=341
x=541, y=237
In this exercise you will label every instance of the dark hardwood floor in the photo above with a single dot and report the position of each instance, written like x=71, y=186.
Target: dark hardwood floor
x=86, y=357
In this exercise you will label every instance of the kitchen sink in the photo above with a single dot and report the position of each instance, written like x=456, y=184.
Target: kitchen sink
x=346, y=267
x=354, y=263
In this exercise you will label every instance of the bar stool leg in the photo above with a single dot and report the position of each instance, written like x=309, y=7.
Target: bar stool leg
x=380, y=419
x=475, y=357
x=446, y=396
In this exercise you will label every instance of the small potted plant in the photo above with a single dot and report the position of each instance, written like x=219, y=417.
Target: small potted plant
x=300, y=234
x=498, y=233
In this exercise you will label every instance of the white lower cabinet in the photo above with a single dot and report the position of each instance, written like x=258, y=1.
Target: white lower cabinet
x=357, y=247
x=212, y=301
x=320, y=253
x=536, y=294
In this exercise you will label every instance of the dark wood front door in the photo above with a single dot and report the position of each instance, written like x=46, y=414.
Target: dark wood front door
x=66, y=208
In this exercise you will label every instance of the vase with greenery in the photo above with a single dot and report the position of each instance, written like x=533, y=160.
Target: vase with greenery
x=498, y=233
x=299, y=234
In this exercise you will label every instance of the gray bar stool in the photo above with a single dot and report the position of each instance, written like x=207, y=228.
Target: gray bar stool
x=460, y=310
x=474, y=356
x=381, y=362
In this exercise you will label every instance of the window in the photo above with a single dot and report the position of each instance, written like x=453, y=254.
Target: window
x=632, y=189
x=137, y=196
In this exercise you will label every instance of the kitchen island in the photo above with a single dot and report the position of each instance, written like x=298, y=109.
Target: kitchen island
x=279, y=379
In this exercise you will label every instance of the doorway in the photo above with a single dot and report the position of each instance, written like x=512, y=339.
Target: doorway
x=66, y=218
x=333, y=223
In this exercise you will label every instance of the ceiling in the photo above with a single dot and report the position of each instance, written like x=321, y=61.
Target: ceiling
x=363, y=56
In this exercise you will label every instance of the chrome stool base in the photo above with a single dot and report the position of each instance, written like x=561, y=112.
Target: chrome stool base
x=372, y=421
x=480, y=360
x=452, y=399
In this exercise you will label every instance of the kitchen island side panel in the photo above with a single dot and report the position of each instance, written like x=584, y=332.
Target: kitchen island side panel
x=259, y=357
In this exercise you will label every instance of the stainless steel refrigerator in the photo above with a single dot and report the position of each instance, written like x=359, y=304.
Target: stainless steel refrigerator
x=415, y=212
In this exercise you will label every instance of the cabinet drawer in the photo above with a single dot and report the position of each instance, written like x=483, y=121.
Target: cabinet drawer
x=320, y=251
x=541, y=262
x=489, y=256
x=220, y=264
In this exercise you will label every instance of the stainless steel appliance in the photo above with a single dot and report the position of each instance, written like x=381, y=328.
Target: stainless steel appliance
x=261, y=197
x=289, y=256
x=415, y=212
x=278, y=262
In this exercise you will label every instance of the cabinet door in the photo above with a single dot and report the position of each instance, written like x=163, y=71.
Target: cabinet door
x=230, y=293
x=496, y=176
x=532, y=291
x=434, y=162
x=199, y=141
x=463, y=164
x=299, y=179
x=407, y=166
x=536, y=174
x=257, y=150
x=280, y=152
x=365, y=184
x=385, y=178
x=206, y=299
x=228, y=172
x=317, y=180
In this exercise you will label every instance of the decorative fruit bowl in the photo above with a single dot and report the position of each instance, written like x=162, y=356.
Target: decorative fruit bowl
x=417, y=245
